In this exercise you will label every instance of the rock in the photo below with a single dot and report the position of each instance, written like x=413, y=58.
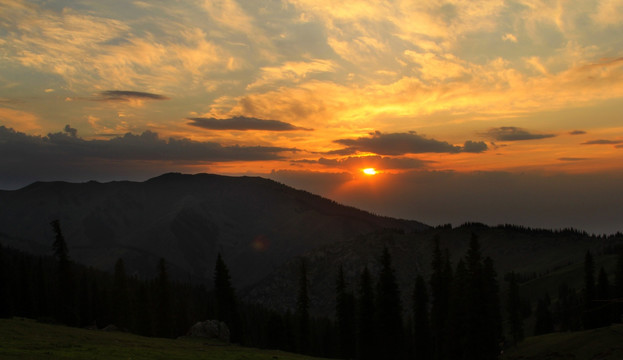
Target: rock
x=210, y=329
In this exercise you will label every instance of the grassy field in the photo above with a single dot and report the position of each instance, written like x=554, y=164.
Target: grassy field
x=27, y=339
x=603, y=344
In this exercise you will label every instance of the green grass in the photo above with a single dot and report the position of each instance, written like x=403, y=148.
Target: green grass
x=28, y=339
x=603, y=344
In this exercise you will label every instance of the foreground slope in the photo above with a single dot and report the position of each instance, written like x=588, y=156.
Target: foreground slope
x=603, y=343
x=256, y=223
x=27, y=339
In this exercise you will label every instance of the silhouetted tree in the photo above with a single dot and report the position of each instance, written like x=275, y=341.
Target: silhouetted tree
x=5, y=310
x=144, y=324
x=515, y=318
x=475, y=307
x=302, y=310
x=421, y=323
x=458, y=324
x=544, y=323
x=589, y=292
x=345, y=316
x=440, y=285
x=163, y=302
x=389, y=309
x=120, y=297
x=65, y=305
x=366, y=324
x=568, y=308
x=492, y=327
x=603, y=307
x=226, y=303
x=618, y=288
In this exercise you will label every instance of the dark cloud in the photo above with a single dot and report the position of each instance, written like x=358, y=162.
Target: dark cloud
x=341, y=152
x=602, y=142
x=66, y=156
x=70, y=131
x=243, y=123
x=475, y=146
x=378, y=162
x=511, y=133
x=577, y=132
x=125, y=95
x=572, y=159
x=405, y=143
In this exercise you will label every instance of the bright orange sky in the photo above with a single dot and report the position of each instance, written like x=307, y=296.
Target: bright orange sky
x=294, y=89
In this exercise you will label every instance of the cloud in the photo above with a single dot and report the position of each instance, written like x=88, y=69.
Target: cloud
x=243, y=123
x=511, y=133
x=377, y=162
x=70, y=131
x=406, y=143
x=292, y=71
x=571, y=159
x=602, y=142
x=509, y=37
x=475, y=146
x=577, y=132
x=125, y=95
x=64, y=156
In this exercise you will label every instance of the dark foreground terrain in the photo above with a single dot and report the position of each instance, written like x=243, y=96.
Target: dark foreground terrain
x=28, y=339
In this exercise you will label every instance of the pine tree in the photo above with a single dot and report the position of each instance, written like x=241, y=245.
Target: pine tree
x=421, y=323
x=474, y=302
x=163, y=302
x=345, y=315
x=492, y=328
x=568, y=308
x=120, y=298
x=5, y=312
x=440, y=285
x=366, y=324
x=389, y=309
x=302, y=310
x=589, y=292
x=65, y=300
x=544, y=323
x=515, y=318
x=618, y=289
x=226, y=303
x=458, y=325
x=603, y=308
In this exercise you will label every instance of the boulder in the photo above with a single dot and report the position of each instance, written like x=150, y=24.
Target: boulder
x=210, y=329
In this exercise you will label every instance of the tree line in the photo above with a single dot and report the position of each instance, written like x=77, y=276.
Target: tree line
x=599, y=303
x=454, y=314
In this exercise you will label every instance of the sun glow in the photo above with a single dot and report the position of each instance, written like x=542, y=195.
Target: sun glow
x=369, y=171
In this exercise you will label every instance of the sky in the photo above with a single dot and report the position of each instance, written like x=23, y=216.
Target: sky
x=491, y=111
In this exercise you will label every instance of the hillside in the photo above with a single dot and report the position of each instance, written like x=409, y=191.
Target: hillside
x=603, y=343
x=257, y=224
x=549, y=257
x=27, y=339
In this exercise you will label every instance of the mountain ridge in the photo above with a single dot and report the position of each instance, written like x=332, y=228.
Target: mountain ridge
x=255, y=222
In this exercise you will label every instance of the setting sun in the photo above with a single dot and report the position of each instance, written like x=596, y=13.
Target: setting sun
x=369, y=171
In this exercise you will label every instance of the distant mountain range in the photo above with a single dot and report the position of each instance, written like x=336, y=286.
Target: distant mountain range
x=257, y=224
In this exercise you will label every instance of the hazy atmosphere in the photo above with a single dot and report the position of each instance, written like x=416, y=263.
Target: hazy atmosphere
x=491, y=111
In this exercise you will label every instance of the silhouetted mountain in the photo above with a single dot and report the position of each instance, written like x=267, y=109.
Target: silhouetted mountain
x=257, y=224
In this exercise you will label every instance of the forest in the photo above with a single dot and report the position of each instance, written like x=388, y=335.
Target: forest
x=459, y=312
